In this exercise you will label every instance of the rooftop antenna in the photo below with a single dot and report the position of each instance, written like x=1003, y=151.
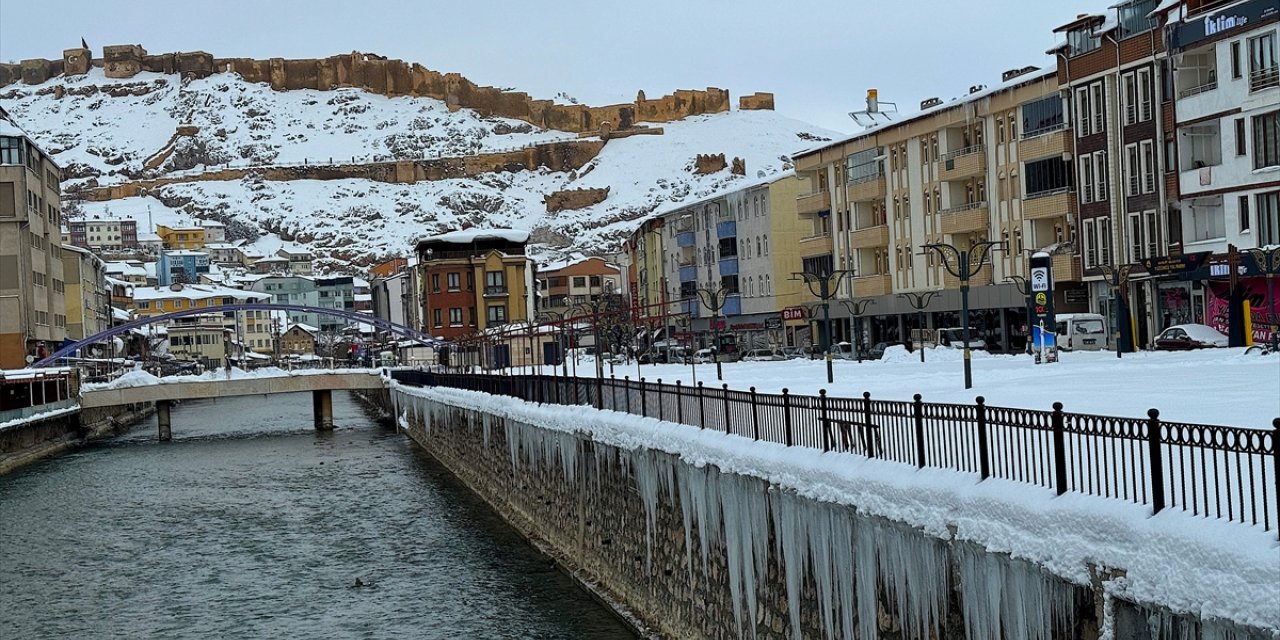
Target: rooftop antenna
x=868, y=117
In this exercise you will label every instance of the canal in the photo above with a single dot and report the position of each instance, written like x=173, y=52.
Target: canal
x=250, y=524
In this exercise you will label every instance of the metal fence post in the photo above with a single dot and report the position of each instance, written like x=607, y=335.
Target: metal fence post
x=1275, y=453
x=826, y=426
x=661, y=413
x=983, y=453
x=1059, y=449
x=1157, y=461
x=679, y=403
x=599, y=392
x=918, y=411
x=644, y=400
x=626, y=380
x=786, y=413
x=755, y=415
x=725, y=392
x=702, y=408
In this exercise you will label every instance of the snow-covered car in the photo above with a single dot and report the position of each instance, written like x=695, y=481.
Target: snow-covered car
x=794, y=353
x=877, y=351
x=762, y=355
x=1189, y=336
x=954, y=337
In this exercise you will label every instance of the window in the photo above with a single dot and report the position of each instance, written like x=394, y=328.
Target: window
x=1101, y=176
x=437, y=316
x=1134, y=17
x=1207, y=219
x=759, y=249
x=497, y=314
x=1266, y=140
x=1129, y=97
x=435, y=283
x=766, y=245
x=1098, y=106
x=1242, y=147
x=1146, y=96
x=579, y=281
x=1263, y=70
x=495, y=282
x=1133, y=170
x=471, y=281
x=455, y=281
x=730, y=283
x=1041, y=116
x=455, y=317
x=1244, y=213
x=1104, y=240
x=1086, y=179
x=1083, y=119
x=10, y=150
x=1136, y=241
x=595, y=281
x=1046, y=176
x=864, y=166
x=768, y=285
x=1235, y=60
x=1083, y=40
x=1267, y=213
x=1148, y=148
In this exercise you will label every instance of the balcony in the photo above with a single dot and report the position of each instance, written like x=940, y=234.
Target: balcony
x=965, y=163
x=726, y=229
x=688, y=273
x=965, y=218
x=1051, y=142
x=685, y=239
x=495, y=291
x=870, y=237
x=876, y=285
x=865, y=189
x=1049, y=204
x=813, y=203
x=982, y=278
x=1066, y=268
x=815, y=244
x=728, y=266
x=1264, y=78
x=732, y=306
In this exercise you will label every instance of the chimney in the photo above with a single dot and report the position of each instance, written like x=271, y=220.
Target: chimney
x=1013, y=73
x=929, y=103
x=976, y=88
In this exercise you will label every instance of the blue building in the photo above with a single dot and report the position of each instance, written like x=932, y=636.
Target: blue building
x=182, y=266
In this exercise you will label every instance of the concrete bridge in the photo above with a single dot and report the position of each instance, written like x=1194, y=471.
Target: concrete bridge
x=321, y=386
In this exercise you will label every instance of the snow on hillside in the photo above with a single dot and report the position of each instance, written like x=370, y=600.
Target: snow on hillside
x=107, y=130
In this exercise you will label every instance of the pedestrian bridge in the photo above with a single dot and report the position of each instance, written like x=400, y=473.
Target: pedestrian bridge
x=163, y=394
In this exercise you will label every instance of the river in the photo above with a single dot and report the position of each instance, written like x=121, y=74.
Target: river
x=250, y=524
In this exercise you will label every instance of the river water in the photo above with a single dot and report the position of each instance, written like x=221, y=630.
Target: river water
x=250, y=524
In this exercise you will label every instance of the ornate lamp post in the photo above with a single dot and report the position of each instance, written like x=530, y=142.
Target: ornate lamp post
x=713, y=298
x=1118, y=276
x=856, y=309
x=919, y=301
x=824, y=286
x=1269, y=262
x=964, y=265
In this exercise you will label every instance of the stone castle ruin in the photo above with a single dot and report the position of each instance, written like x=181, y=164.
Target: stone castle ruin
x=379, y=75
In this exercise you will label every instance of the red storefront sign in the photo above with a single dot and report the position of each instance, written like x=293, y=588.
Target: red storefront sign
x=793, y=313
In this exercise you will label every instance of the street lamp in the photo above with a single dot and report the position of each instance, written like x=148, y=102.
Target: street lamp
x=964, y=265
x=1117, y=276
x=714, y=299
x=919, y=301
x=827, y=286
x=856, y=309
x=1269, y=263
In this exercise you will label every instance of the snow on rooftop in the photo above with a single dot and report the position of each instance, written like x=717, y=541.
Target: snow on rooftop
x=466, y=236
x=196, y=292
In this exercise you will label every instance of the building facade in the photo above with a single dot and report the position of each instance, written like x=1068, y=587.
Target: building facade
x=181, y=237
x=183, y=266
x=474, y=279
x=251, y=328
x=87, y=293
x=104, y=234
x=32, y=303
x=582, y=281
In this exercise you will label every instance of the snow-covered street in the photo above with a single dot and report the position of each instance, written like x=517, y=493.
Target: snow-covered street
x=1219, y=386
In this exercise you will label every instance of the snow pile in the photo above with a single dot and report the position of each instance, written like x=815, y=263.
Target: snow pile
x=899, y=353
x=1210, y=568
x=135, y=378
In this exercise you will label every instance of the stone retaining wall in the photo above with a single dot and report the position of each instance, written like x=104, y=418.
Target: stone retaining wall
x=38, y=439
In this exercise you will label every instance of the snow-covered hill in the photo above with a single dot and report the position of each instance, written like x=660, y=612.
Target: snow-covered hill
x=105, y=131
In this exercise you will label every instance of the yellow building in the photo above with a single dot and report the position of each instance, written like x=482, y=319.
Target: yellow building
x=475, y=279
x=184, y=237
x=255, y=327
x=991, y=166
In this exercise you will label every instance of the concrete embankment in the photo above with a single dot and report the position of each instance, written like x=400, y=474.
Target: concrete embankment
x=49, y=434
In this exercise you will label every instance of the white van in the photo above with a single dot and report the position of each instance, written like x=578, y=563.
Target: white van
x=1081, y=331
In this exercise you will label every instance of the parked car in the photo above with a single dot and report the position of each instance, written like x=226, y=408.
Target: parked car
x=1189, y=336
x=954, y=337
x=704, y=356
x=794, y=353
x=877, y=350
x=1081, y=331
x=763, y=355
x=843, y=351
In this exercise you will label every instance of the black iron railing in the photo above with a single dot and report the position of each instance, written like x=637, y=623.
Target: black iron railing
x=1214, y=471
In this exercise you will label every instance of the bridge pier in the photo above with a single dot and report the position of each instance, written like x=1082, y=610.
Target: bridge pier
x=322, y=409
x=164, y=419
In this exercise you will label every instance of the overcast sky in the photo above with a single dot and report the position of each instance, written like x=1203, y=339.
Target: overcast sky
x=818, y=58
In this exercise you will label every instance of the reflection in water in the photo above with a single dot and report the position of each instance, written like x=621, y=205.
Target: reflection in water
x=252, y=525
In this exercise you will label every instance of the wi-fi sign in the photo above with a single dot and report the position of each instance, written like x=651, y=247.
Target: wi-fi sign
x=1040, y=279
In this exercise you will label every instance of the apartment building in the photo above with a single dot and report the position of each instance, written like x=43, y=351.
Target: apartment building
x=86, y=293
x=727, y=246
x=104, y=234
x=475, y=279
x=182, y=266
x=583, y=280
x=1226, y=80
x=294, y=290
x=987, y=167
x=181, y=237
x=1115, y=71
x=252, y=328
x=32, y=303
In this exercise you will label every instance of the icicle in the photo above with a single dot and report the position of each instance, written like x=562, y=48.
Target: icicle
x=746, y=527
x=568, y=447
x=868, y=608
x=1011, y=597
x=646, y=474
x=913, y=569
x=488, y=427
x=791, y=538
x=683, y=471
